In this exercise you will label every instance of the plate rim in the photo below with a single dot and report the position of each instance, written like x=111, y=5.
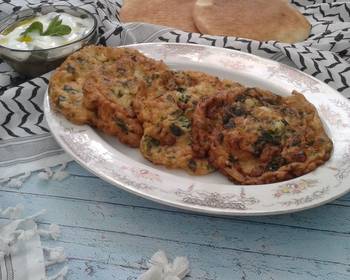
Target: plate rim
x=179, y=204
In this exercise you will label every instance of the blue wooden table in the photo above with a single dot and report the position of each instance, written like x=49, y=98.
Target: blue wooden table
x=108, y=233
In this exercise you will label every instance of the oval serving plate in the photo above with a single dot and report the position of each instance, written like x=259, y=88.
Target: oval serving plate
x=215, y=194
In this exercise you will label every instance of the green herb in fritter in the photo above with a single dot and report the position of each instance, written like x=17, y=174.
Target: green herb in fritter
x=276, y=163
x=175, y=130
x=192, y=165
x=122, y=125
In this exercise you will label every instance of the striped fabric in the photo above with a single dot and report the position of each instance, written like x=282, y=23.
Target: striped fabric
x=6, y=268
x=26, y=144
x=21, y=253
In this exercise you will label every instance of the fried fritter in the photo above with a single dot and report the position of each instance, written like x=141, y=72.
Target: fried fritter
x=256, y=137
x=165, y=110
x=97, y=85
x=111, y=89
x=66, y=83
x=190, y=120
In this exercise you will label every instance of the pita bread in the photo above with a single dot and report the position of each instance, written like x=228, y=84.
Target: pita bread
x=260, y=20
x=171, y=13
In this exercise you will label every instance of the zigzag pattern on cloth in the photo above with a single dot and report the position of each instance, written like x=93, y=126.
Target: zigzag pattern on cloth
x=325, y=55
x=23, y=104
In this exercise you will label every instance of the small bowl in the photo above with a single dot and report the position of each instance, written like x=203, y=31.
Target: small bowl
x=33, y=63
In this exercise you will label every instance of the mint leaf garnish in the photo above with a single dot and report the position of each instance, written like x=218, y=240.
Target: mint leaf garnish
x=56, y=28
x=35, y=26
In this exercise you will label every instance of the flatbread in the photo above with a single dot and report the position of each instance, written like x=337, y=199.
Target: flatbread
x=253, y=19
x=171, y=13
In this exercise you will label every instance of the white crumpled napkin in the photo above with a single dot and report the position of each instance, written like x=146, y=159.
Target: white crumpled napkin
x=22, y=256
x=161, y=269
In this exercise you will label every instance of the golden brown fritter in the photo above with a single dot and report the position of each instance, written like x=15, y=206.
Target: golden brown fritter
x=66, y=83
x=165, y=110
x=110, y=91
x=97, y=85
x=256, y=137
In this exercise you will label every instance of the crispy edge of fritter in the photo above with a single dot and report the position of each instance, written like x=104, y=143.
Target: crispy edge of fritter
x=111, y=118
x=164, y=155
x=136, y=71
x=201, y=127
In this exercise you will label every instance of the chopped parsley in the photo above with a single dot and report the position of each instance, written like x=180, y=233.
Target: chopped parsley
x=184, y=122
x=69, y=89
x=150, y=142
x=175, y=130
x=184, y=98
x=192, y=165
x=232, y=159
x=276, y=163
x=122, y=125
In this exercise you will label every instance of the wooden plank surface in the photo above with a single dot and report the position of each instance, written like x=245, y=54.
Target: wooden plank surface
x=108, y=233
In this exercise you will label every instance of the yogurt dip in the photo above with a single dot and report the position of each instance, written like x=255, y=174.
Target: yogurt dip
x=13, y=37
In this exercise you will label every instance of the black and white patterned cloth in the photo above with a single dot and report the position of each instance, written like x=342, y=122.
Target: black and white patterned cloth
x=25, y=142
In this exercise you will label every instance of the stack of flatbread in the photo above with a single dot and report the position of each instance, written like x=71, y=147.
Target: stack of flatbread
x=253, y=19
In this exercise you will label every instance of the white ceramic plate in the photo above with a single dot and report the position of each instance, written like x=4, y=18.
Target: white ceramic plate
x=125, y=167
